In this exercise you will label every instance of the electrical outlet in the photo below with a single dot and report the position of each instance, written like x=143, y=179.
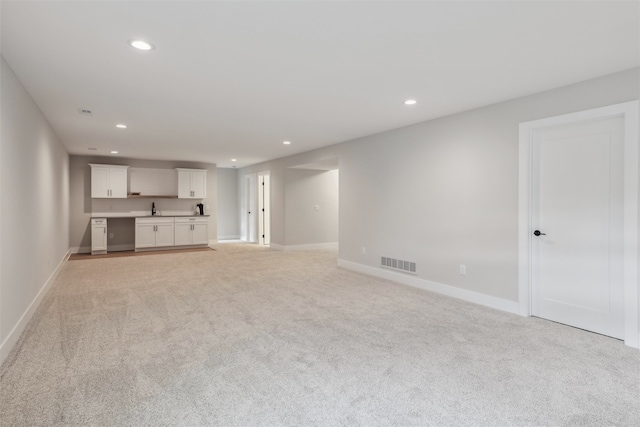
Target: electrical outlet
x=364, y=250
x=316, y=207
x=111, y=235
x=463, y=269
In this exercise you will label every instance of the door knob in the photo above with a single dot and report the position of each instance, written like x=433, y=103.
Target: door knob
x=538, y=233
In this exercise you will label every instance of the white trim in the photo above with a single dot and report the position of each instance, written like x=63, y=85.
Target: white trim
x=451, y=291
x=266, y=208
x=331, y=246
x=119, y=248
x=234, y=237
x=80, y=249
x=170, y=248
x=13, y=336
x=629, y=111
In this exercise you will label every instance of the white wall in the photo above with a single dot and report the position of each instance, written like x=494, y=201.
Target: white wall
x=443, y=192
x=228, y=226
x=34, y=207
x=304, y=190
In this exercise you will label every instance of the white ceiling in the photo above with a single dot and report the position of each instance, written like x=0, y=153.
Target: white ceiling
x=235, y=79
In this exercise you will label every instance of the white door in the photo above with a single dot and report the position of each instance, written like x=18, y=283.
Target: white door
x=164, y=235
x=182, y=234
x=99, y=236
x=200, y=234
x=577, y=225
x=264, y=221
x=99, y=182
x=199, y=184
x=145, y=235
x=184, y=185
x=250, y=203
x=118, y=182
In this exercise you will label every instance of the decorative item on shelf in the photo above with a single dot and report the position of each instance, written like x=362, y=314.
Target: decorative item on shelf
x=153, y=208
x=200, y=210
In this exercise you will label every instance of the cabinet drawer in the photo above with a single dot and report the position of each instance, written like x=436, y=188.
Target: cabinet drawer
x=155, y=220
x=98, y=221
x=192, y=220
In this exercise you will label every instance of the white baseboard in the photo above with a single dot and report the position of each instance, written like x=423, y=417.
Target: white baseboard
x=234, y=237
x=80, y=250
x=463, y=294
x=119, y=248
x=332, y=246
x=13, y=337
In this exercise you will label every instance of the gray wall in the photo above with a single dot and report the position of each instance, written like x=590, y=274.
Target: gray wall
x=442, y=192
x=228, y=215
x=34, y=206
x=82, y=205
x=304, y=189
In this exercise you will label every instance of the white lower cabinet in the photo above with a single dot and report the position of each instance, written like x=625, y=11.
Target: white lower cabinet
x=191, y=231
x=154, y=232
x=98, y=236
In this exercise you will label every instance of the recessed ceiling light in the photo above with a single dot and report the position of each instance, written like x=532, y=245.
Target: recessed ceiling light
x=121, y=126
x=141, y=44
x=410, y=102
x=286, y=142
x=234, y=160
x=114, y=152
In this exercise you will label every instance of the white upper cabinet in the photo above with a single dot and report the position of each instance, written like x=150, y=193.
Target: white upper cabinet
x=192, y=183
x=108, y=181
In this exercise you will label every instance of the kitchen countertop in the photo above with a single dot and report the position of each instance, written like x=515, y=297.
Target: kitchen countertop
x=147, y=216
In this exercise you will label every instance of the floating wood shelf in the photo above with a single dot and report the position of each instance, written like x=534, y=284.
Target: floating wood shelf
x=145, y=196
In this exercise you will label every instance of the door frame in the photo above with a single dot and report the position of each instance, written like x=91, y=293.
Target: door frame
x=248, y=223
x=264, y=208
x=629, y=112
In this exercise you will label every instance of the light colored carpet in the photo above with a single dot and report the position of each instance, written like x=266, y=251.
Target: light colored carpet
x=244, y=336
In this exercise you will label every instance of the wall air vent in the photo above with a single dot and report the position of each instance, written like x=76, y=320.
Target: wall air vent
x=397, y=264
x=85, y=111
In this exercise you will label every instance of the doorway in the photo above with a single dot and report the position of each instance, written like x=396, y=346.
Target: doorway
x=264, y=208
x=248, y=232
x=578, y=213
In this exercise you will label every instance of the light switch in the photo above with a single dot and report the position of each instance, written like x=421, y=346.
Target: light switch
x=316, y=207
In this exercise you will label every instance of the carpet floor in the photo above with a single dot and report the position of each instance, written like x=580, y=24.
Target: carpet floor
x=246, y=336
